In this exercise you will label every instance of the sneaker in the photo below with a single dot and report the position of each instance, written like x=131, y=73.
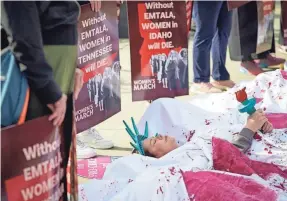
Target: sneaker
x=223, y=84
x=93, y=139
x=283, y=49
x=270, y=62
x=250, y=67
x=83, y=151
x=206, y=88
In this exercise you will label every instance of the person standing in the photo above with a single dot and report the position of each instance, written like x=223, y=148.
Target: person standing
x=213, y=26
x=283, y=28
x=43, y=39
x=50, y=62
x=246, y=27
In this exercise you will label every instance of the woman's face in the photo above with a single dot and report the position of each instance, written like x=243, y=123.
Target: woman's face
x=160, y=145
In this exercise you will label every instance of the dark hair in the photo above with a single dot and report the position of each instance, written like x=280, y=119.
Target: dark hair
x=146, y=153
x=149, y=154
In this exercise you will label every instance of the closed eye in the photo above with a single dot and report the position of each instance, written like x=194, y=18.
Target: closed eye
x=152, y=141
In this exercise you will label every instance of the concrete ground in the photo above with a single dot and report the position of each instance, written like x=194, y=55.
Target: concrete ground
x=113, y=128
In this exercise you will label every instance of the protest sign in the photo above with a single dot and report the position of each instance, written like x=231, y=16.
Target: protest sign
x=189, y=6
x=284, y=21
x=265, y=31
x=34, y=161
x=158, y=44
x=98, y=58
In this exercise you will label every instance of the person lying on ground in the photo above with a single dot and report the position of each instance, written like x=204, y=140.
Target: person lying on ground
x=161, y=145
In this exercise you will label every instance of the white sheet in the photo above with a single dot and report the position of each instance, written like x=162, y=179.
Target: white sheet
x=205, y=116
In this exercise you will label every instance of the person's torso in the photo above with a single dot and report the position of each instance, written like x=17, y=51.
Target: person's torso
x=57, y=13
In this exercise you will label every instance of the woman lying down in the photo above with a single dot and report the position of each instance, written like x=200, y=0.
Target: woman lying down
x=221, y=174
x=191, y=172
x=159, y=145
x=165, y=171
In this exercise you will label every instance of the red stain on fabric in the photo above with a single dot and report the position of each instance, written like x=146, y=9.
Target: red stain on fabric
x=160, y=189
x=172, y=171
x=130, y=180
x=207, y=122
x=280, y=186
x=258, y=100
x=269, y=152
x=284, y=74
x=269, y=84
x=257, y=137
x=190, y=135
x=269, y=145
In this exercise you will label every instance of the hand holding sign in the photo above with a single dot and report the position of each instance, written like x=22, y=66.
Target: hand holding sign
x=96, y=5
x=59, y=110
x=79, y=81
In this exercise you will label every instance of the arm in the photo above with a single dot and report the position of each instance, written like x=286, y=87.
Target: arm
x=254, y=122
x=22, y=19
x=243, y=140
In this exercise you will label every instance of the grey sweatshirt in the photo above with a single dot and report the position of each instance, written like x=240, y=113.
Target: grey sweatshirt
x=243, y=140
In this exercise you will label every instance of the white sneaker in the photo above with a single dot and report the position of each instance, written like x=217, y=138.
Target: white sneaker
x=83, y=151
x=93, y=139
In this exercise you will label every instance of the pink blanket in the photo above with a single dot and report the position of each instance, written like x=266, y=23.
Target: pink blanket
x=212, y=186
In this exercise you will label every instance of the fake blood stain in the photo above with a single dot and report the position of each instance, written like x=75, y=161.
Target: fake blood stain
x=269, y=152
x=161, y=190
x=191, y=133
x=130, y=180
x=207, y=122
x=257, y=137
x=172, y=171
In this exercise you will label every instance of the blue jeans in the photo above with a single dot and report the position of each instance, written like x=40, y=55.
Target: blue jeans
x=213, y=26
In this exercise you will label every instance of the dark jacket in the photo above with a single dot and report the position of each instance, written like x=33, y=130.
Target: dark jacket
x=4, y=39
x=33, y=24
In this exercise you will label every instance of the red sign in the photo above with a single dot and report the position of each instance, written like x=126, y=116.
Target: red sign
x=265, y=12
x=158, y=43
x=98, y=58
x=189, y=5
x=34, y=162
